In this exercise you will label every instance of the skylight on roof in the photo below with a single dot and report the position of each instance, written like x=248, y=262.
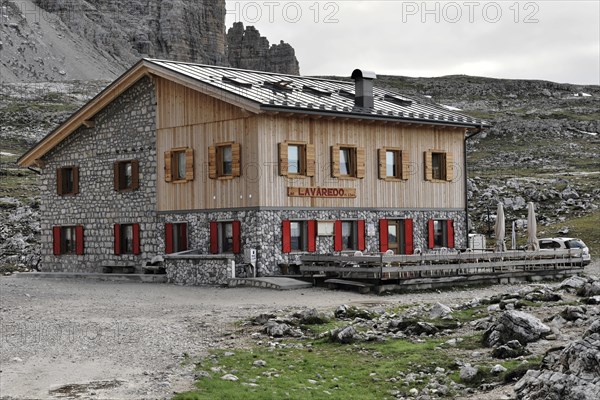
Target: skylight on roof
x=346, y=94
x=397, y=100
x=314, y=90
x=237, y=82
x=279, y=85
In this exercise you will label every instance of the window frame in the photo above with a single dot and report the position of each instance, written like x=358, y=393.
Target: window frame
x=438, y=166
x=444, y=172
x=220, y=150
x=441, y=233
x=218, y=237
x=306, y=159
x=215, y=161
x=357, y=165
x=120, y=244
x=172, y=163
x=176, y=237
x=301, y=170
x=63, y=178
x=60, y=244
x=357, y=235
x=120, y=167
x=351, y=162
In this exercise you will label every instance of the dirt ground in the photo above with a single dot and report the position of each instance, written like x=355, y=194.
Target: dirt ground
x=105, y=340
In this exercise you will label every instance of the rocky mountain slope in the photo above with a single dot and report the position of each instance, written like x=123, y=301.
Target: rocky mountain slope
x=54, y=40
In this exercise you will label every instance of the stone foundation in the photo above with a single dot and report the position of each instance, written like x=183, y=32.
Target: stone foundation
x=192, y=269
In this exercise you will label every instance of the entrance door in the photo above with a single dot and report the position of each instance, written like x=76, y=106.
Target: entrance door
x=396, y=240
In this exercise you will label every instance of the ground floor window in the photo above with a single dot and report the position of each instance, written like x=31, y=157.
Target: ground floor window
x=298, y=236
x=225, y=237
x=396, y=235
x=176, y=239
x=127, y=239
x=68, y=240
x=440, y=233
x=349, y=235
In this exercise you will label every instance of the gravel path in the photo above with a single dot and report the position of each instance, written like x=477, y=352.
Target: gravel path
x=131, y=340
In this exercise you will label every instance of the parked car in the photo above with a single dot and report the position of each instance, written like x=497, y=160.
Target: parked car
x=562, y=243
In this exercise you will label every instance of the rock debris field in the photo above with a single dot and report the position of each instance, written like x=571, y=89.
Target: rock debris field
x=82, y=339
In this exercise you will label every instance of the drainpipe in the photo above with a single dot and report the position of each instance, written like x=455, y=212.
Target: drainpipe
x=469, y=136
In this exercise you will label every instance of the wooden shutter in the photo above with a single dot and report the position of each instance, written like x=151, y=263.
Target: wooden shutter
x=117, y=238
x=360, y=237
x=430, y=234
x=59, y=181
x=409, y=246
x=168, y=238
x=335, y=161
x=168, y=166
x=135, y=174
x=79, y=240
x=450, y=233
x=236, y=159
x=383, y=235
x=214, y=237
x=337, y=236
x=212, y=162
x=360, y=162
x=311, y=160
x=237, y=242
x=428, y=166
x=56, y=245
x=449, y=167
x=75, y=180
x=381, y=156
x=405, y=164
x=286, y=236
x=283, y=159
x=116, y=176
x=183, y=239
x=311, y=232
x=136, y=239
x=189, y=164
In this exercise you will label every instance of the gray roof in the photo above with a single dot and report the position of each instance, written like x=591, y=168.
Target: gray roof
x=291, y=93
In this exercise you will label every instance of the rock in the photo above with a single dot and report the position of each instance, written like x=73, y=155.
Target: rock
x=574, y=282
x=276, y=329
x=413, y=392
x=573, y=313
x=259, y=363
x=439, y=311
x=594, y=300
x=311, y=317
x=514, y=325
x=262, y=319
x=498, y=369
x=420, y=328
x=341, y=311
x=468, y=373
x=512, y=349
x=230, y=377
x=594, y=328
x=343, y=335
x=590, y=289
x=201, y=374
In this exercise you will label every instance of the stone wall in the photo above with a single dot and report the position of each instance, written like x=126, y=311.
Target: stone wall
x=125, y=129
x=262, y=230
x=196, y=270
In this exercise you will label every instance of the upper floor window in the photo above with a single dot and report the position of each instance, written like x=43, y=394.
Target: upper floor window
x=126, y=175
x=68, y=240
x=67, y=180
x=224, y=160
x=439, y=166
x=179, y=165
x=347, y=161
x=393, y=164
x=296, y=159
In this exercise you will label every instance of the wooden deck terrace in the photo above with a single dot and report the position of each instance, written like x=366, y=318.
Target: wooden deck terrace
x=424, y=271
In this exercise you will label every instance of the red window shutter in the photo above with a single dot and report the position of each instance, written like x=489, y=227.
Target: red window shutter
x=79, y=240
x=409, y=246
x=56, y=240
x=383, y=235
x=183, y=242
x=286, y=236
x=136, y=239
x=311, y=232
x=360, y=240
x=337, y=236
x=214, y=237
x=430, y=233
x=237, y=242
x=168, y=238
x=117, y=230
x=450, y=233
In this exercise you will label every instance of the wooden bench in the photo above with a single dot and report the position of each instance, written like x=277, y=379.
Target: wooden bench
x=363, y=287
x=116, y=269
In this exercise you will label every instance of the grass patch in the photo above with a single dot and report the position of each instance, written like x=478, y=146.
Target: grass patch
x=584, y=228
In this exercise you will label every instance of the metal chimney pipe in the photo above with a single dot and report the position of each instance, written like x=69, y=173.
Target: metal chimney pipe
x=363, y=92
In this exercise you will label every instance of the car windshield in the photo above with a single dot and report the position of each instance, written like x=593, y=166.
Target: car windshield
x=575, y=244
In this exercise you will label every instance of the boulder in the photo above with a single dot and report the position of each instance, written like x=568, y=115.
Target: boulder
x=594, y=328
x=590, y=289
x=346, y=334
x=420, y=328
x=512, y=349
x=573, y=313
x=276, y=329
x=468, y=373
x=514, y=325
x=310, y=317
x=574, y=282
x=439, y=310
x=341, y=311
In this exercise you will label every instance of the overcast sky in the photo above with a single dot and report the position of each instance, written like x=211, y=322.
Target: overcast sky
x=550, y=40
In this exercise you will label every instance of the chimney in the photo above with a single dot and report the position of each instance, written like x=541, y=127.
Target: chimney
x=363, y=92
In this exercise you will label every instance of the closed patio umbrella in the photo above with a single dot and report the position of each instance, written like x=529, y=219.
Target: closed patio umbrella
x=532, y=242
x=500, y=229
x=513, y=238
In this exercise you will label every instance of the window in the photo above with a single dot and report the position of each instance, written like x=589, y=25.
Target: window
x=347, y=161
x=176, y=239
x=224, y=160
x=225, y=237
x=126, y=175
x=396, y=235
x=127, y=239
x=349, y=235
x=67, y=180
x=393, y=164
x=68, y=240
x=299, y=236
x=296, y=159
x=441, y=233
x=439, y=166
x=179, y=165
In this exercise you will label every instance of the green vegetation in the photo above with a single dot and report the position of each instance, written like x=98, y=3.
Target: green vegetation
x=585, y=228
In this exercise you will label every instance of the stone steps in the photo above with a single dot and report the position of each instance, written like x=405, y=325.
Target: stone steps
x=277, y=283
x=147, y=278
